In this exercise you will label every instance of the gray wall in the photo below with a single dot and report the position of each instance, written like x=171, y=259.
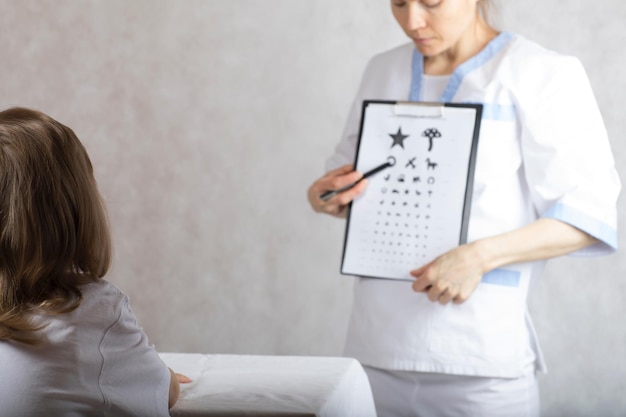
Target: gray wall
x=207, y=121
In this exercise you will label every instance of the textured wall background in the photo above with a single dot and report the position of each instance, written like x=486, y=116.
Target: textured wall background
x=206, y=122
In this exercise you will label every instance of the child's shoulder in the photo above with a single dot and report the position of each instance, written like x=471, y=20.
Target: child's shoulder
x=102, y=287
x=100, y=294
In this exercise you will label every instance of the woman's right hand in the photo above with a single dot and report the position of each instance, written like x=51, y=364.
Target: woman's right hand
x=334, y=180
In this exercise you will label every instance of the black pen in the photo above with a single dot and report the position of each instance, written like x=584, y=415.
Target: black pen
x=391, y=161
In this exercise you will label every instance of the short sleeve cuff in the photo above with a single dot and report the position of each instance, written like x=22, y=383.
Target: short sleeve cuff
x=606, y=234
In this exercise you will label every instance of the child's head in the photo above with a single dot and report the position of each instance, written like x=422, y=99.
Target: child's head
x=54, y=232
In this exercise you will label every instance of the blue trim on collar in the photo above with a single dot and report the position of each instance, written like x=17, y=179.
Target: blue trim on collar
x=417, y=69
x=478, y=60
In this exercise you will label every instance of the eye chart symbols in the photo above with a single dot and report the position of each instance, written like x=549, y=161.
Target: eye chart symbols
x=419, y=207
x=398, y=138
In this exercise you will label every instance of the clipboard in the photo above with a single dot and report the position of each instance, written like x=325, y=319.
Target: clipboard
x=419, y=207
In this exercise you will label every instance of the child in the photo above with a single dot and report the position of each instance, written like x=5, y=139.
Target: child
x=69, y=343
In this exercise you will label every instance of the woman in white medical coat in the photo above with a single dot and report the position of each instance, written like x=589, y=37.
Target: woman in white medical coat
x=462, y=343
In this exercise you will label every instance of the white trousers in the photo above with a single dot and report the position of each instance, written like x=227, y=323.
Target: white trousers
x=420, y=394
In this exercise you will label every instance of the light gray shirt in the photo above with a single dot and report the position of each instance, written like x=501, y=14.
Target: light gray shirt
x=96, y=362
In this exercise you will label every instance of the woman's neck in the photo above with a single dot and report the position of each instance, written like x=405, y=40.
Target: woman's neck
x=471, y=43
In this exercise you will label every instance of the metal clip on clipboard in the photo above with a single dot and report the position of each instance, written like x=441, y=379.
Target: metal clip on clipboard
x=422, y=110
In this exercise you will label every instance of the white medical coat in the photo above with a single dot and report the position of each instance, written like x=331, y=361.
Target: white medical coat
x=543, y=152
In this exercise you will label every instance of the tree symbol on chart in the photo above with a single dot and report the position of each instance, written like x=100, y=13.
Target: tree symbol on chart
x=431, y=134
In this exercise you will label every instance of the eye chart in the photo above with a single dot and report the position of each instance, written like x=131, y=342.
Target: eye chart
x=418, y=207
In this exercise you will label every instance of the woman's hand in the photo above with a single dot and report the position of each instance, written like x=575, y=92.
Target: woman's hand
x=455, y=275
x=452, y=276
x=334, y=180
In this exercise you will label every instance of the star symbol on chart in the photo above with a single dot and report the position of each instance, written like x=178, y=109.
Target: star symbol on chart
x=398, y=138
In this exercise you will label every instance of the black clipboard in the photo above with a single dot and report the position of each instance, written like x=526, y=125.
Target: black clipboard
x=419, y=207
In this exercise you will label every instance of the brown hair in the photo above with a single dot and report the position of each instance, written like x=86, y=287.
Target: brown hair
x=54, y=233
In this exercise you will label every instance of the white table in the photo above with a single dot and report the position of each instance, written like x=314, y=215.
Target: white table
x=261, y=386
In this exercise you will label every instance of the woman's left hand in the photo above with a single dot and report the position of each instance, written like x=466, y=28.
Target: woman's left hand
x=455, y=275
x=452, y=276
